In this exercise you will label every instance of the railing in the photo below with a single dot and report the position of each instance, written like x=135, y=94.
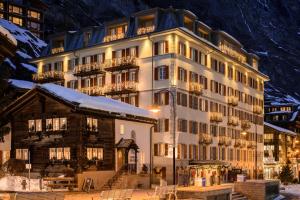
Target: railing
x=233, y=100
x=123, y=86
x=227, y=141
x=90, y=67
x=237, y=142
x=113, y=37
x=243, y=143
x=93, y=91
x=55, y=75
x=195, y=88
x=251, y=144
x=245, y=124
x=57, y=50
x=205, y=138
x=222, y=140
x=144, y=30
x=257, y=109
x=233, y=120
x=216, y=117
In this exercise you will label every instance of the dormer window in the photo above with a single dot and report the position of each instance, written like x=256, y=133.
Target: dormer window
x=203, y=34
x=188, y=23
x=115, y=33
x=86, y=38
x=57, y=46
x=146, y=24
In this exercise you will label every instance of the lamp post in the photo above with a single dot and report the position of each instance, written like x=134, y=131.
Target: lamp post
x=151, y=154
x=155, y=109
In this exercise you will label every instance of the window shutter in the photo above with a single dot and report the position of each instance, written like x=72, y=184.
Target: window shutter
x=190, y=56
x=190, y=151
x=178, y=73
x=166, y=125
x=123, y=77
x=190, y=126
x=127, y=52
x=205, y=60
x=178, y=48
x=69, y=84
x=76, y=84
x=82, y=83
x=166, y=46
x=155, y=149
x=178, y=98
x=196, y=55
x=156, y=73
x=103, y=80
x=137, y=76
x=83, y=60
x=123, y=53
x=91, y=82
x=185, y=75
x=166, y=98
x=127, y=76
x=103, y=57
x=184, y=50
x=113, y=53
x=190, y=101
x=156, y=98
x=137, y=51
x=200, y=58
x=137, y=100
x=167, y=72
x=185, y=151
x=178, y=151
x=206, y=105
x=113, y=78
x=166, y=149
x=156, y=48
x=197, y=152
x=190, y=77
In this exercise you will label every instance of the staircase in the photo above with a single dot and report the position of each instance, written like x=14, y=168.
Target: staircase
x=117, y=181
x=238, y=196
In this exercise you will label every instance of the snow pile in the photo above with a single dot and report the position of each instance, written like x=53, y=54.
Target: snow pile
x=14, y=183
x=98, y=103
x=24, y=36
x=292, y=189
x=21, y=84
x=9, y=36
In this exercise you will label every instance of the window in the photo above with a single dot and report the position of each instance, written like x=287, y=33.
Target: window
x=193, y=102
x=92, y=124
x=33, y=25
x=182, y=74
x=203, y=105
x=22, y=154
x=181, y=49
x=203, y=152
x=222, y=153
x=34, y=14
x=194, y=54
x=181, y=99
x=181, y=151
x=213, y=153
x=193, y=152
x=16, y=20
x=122, y=129
x=1, y=6
x=94, y=153
x=72, y=64
x=59, y=66
x=193, y=127
x=214, y=130
x=15, y=9
x=161, y=48
x=217, y=66
x=161, y=98
x=161, y=149
x=56, y=124
x=203, y=128
x=230, y=72
x=60, y=153
x=162, y=73
x=35, y=125
x=162, y=125
x=182, y=125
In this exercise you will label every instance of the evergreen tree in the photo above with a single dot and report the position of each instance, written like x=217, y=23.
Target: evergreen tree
x=286, y=174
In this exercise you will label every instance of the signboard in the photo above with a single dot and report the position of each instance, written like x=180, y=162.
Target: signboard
x=28, y=166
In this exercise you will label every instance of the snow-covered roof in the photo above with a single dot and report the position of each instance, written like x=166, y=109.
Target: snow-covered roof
x=295, y=114
x=96, y=103
x=21, y=84
x=280, y=129
x=9, y=36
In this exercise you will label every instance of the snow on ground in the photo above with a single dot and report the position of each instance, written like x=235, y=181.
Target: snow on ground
x=7, y=60
x=5, y=32
x=21, y=84
x=14, y=183
x=29, y=67
x=292, y=189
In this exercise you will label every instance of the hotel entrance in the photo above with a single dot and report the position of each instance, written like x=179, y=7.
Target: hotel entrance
x=127, y=151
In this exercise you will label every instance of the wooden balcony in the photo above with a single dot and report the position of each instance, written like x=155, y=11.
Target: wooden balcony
x=233, y=100
x=245, y=124
x=89, y=69
x=50, y=76
x=195, y=88
x=144, y=30
x=205, y=139
x=216, y=117
x=257, y=109
x=233, y=120
x=121, y=88
x=57, y=50
x=113, y=37
x=123, y=63
x=221, y=140
x=93, y=91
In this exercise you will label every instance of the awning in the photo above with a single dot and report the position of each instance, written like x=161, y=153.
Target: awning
x=127, y=144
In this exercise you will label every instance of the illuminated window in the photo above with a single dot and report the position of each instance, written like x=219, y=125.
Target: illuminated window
x=16, y=20
x=1, y=6
x=1, y=15
x=35, y=125
x=34, y=14
x=22, y=154
x=61, y=153
x=56, y=124
x=94, y=153
x=15, y=9
x=122, y=129
x=92, y=124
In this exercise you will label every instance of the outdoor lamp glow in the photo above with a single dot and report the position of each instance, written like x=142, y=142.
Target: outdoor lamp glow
x=154, y=108
x=244, y=133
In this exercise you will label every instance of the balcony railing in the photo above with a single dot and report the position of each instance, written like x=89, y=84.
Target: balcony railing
x=233, y=100
x=57, y=50
x=245, y=124
x=119, y=88
x=227, y=141
x=222, y=140
x=144, y=30
x=216, y=117
x=243, y=143
x=205, y=139
x=93, y=91
x=257, y=109
x=195, y=88
x=122, y=63
x=113, y=37
x=50, y=76
x=237, y=142
x=233, y=120
x=89, y=69
x=251, y=144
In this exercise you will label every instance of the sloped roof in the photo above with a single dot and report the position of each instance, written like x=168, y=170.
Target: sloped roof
x=280, y=129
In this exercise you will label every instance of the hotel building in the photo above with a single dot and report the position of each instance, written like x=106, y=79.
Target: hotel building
x=168, y=58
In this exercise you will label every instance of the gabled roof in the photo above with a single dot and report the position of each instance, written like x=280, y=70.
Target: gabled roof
x=280, y=129
x=85, y=103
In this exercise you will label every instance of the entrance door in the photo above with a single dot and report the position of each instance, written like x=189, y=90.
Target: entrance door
x=120, y=158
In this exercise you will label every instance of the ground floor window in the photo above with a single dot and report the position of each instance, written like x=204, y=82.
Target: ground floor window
x=22, y=154
x=161, y=149
x=60, y=153
x=94, y=153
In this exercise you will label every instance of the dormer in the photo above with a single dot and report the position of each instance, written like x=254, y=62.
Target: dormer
x=145, y=23
x=203, y=30
x=116, y=31
x=58, y=44
x=189, y=20
x=252, y=60
x=87, y=34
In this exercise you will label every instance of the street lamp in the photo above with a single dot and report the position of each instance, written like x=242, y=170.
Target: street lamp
x=155, y=109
